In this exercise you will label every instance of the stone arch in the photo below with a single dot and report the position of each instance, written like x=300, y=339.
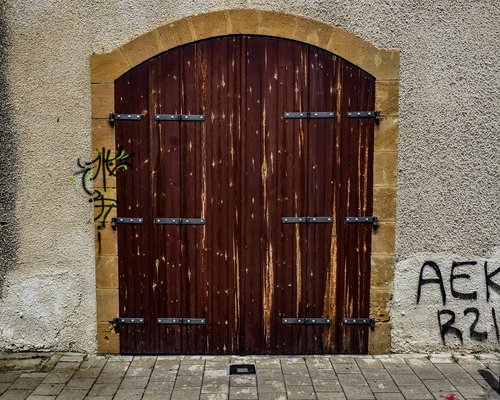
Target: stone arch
x=382, y=64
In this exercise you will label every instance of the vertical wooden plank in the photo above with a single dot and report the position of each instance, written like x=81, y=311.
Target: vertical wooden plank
x=252, y=198
x=234, y=190
x=321, y=152
x=132, y=94
x=168, y=239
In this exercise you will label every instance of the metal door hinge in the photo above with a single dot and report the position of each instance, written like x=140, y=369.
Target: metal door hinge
x=180, y=221
x=306, y=220
x=308, y=115
x=180, y=321
x=124, y=117
x=359, y=321
x=126, y=220
x=364, y=114
x=362, y=220
x=306, y=321
x=179, y=117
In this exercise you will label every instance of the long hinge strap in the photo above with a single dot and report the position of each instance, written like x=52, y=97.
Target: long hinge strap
x=180, y=321
x=306, y=220
x=361, y=220
x=119, y=320
x=180, y=221
x=126, y=220
x=363, y=114
x=124, y=117
x=180, y=117
x=308, y=115
x=306, y=321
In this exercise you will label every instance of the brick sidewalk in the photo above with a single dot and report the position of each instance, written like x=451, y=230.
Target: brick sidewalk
x=391, y=377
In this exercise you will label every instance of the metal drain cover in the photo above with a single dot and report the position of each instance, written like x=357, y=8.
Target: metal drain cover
x=242, y=369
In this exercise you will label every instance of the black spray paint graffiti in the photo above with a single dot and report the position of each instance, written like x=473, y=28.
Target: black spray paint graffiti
x=446, y=318
x=105, y=165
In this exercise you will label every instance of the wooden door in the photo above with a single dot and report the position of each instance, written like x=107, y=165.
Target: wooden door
x=243, y=169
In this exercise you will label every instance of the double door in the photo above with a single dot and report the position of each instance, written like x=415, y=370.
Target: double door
x=233, y=236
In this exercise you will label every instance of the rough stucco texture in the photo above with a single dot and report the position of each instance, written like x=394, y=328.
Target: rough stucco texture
x=448, y=164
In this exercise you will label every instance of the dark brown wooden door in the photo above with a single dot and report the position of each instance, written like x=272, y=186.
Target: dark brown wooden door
x=242, y=170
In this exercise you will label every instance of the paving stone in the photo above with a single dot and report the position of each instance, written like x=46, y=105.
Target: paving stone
x=415, y=392
x=75, y=384
x=389, y=396
x=4, y=386
x=243, y=393
x=77, y=358
x=266, y=386
x=453, y=395
x=115, y=367
x=69, y=394
x=381, y=374
x=462, y=380
x=161, y=375
x=438, y=384
x=104, y=389
x=319, y=362
x=215, y=373
x=129, y=394
x=397, y=368
x=268, y=363
x=41, y=375
x=48, y=389
x=191, y=369
x=346, y=368
x=406, y=379
x=330, y=396
x=441, y=359
x=269, y=374
x=294, y=369
x=382, y=386
x=369, y=364
x=159, y=388
x=26, y=383
x=40, y=397
x=188, y=381
x=9, y=377
x=110, y=378
x=215, y=388
x=352, y=379
x=138, y=371
x=360, y=392
x=272, y=396
x=58, y=377
x=99, y=398
x=323, y=374
x=185, y=394
x=134, y=382
x=242, y=380
x=300, y=392
x=451, y=369
x=331, y=385
x=66, y=366
x=143, y=362
x=87, y=373
x=15, y=394
x=475, y=391
x=297, y=380
x=211, y=396
x=113, y=359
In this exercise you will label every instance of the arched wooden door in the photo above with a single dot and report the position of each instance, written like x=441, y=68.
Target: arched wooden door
x=238, y=241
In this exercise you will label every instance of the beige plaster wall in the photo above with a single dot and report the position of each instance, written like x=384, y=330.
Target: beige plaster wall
x=448, y=164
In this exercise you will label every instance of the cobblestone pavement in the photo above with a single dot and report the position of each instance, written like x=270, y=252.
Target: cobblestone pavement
x=391, y=377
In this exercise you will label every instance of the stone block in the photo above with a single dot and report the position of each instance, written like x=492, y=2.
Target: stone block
x=209, y=25
x=383, y=240
x=382, y=64
x=174, y=34
x=313, y=32
x=108, y=341
x=142, y=48
x=385, y=166
x=382, y=271
x=384, y=203
x=103, y=136
x=277, y=24
x=243, y=21
x=386, y=134
x=387, y=98
x=379, y=340
x=107, y=272
x=107, y=67
x=103, y=100
x=107, y=304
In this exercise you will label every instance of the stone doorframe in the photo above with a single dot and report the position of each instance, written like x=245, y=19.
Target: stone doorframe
x=382, y=64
